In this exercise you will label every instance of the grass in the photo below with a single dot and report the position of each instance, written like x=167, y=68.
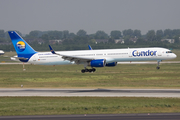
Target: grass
x=85, y=105
x=69, y=76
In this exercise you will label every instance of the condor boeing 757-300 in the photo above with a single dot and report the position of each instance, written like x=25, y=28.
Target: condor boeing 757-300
x=92, y=58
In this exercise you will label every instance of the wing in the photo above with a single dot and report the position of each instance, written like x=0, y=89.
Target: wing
x=76, y=59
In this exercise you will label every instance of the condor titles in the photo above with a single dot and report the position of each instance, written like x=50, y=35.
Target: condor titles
x=144, y=53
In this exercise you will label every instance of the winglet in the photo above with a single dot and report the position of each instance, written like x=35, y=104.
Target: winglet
x=52, y=51
x=90, y=48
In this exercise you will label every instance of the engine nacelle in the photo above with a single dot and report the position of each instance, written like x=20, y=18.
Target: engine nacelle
x=97, y=63
x=111, y=64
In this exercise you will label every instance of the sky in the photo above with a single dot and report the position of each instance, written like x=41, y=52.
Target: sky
x=89, y=15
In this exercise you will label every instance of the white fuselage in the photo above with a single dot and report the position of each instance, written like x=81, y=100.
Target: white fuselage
x=110, y=55
x=1, y=52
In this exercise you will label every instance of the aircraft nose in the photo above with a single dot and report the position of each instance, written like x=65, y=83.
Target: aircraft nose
x=174, y=56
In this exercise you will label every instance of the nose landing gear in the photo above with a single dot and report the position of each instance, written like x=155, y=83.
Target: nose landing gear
x=158, y=63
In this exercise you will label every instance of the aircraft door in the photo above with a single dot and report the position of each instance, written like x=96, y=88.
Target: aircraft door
x=130, y=53
x=34, y=58
x=159, y=53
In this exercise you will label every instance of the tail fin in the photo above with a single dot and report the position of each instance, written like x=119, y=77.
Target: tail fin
x=90, y=48
x=52, y=51
x=23, y=49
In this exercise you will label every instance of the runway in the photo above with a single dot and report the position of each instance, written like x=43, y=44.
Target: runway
x=147, y=62
x=155, y=116
x=92, y=92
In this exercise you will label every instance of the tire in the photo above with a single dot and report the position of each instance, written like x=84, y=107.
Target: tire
x=157, y=68
x=90, y=70
x=83, y=71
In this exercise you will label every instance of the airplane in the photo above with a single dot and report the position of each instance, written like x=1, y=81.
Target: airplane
x=1, y=52
x=91, y=58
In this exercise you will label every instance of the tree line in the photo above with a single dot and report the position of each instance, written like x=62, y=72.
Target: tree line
x=40, y=40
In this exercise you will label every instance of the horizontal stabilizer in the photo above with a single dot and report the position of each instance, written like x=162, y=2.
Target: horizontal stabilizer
x=15, y=57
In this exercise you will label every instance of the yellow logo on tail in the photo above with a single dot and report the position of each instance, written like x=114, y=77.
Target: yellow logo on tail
x=20, y=46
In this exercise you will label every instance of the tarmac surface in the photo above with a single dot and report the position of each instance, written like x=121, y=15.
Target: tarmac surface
x=147, y=62
x=165, y=116
x=91, y=92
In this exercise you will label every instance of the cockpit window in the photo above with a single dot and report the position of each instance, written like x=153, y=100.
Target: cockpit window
x=168, y=52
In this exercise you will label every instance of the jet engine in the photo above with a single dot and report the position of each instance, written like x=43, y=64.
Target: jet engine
x=97, y=63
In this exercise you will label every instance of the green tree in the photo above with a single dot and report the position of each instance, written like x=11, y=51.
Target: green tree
x=2, y=34
x=151, y=35
x=176, y=38
x=2, y=40
x=141, y=41
x=81, y=33
x=168, y=33
x=115, y=34
x=137, y=33
x=65, y=34
x=71, y=35
x=159, y=35
x=176, y=32
x=126, y=39
x=128, y=32
x=54, y=35
x=45, y=37
x=101, y=35
x=34, y=34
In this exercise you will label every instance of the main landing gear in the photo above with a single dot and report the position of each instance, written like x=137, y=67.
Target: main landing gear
x=158, y=63
x=88, y=70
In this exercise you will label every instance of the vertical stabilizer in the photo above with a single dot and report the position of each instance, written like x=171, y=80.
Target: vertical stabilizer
x=23, y=49
x=90, y=48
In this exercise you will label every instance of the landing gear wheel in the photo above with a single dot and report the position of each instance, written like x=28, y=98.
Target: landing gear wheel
x=83, y=71
x=90, y=70
x=157, y=67
x=93, y=69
